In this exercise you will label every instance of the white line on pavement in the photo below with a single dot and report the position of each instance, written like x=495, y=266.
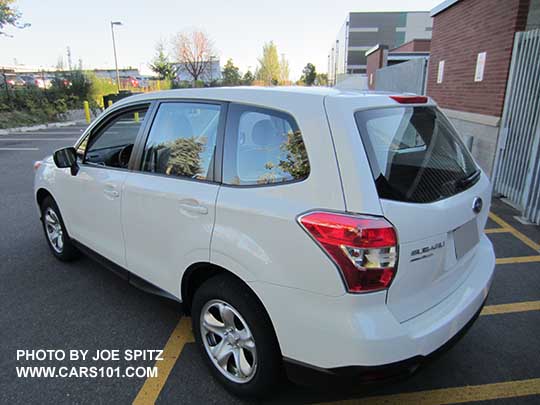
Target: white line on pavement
x=19, y=148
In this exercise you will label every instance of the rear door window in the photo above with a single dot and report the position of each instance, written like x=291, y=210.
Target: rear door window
x=415, y=154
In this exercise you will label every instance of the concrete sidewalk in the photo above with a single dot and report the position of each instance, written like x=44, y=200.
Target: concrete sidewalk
x=9, y=131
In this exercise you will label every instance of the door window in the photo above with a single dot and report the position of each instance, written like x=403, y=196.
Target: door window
x=182, y=140
x=263, y=147
x=112, y=145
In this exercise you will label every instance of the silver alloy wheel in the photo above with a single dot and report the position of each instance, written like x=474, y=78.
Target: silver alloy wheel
x=228, y=341
x=53, y=229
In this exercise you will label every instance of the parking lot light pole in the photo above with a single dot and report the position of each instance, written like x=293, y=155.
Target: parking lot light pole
x=113, y=23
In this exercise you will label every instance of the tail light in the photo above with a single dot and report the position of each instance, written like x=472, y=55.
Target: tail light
x=363, y=248
x=410, y=99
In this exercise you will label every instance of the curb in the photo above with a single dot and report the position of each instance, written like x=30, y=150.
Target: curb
x=40, y=127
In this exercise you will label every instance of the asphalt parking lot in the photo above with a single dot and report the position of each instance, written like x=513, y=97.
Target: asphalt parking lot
x=51, y=305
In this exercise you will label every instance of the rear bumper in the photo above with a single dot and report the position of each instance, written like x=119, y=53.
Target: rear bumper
x=306, y=374
x=358, y=331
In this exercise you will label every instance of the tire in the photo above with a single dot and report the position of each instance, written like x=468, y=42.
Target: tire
x=62, y=248
x=262, y=361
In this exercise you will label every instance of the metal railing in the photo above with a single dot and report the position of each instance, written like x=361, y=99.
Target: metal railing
x=517, y=167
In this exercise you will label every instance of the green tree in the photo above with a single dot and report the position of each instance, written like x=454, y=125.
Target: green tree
x=161, y=64
x=283, y=69
x=230, y=74
x=322, y=79
x=309, y=74
x=296, y=161
x=269, y=70
x=9, y=15
x=248, y=78
x=185, y=157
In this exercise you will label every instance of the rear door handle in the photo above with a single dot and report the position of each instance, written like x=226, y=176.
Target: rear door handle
x=111, y=191
x=194, y=207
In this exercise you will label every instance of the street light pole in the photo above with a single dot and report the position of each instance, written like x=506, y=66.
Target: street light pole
x=113, y=23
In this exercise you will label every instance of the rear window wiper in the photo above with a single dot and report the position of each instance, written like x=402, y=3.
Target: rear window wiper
x=469, y=180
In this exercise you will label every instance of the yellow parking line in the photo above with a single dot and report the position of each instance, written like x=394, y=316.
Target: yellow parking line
x=515, y=232
x=497, y=230
x=181, y=335
x=457, y=395
x=519, y=259
x=509, y=308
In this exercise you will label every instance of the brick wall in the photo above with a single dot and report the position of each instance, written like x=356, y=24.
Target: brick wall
x=461, y=32
x=416, y=45
x=375, y=60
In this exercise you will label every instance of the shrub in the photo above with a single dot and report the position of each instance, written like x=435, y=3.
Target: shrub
x=99, y=87
x=31, y=105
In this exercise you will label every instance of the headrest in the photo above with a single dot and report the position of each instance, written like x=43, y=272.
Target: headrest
x=174, y=126
x=264, y=134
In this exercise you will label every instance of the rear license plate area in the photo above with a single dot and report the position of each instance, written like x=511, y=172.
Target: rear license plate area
x=465, y=238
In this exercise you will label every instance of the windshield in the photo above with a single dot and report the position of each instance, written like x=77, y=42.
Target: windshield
x=414, y=154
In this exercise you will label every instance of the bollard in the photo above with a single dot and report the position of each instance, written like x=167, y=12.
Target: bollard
x=109, y=103
x=87, y=112
x=136, y=116
x=159, y=85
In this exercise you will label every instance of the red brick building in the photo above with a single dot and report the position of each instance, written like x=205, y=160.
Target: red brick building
x=471, y=50
x=462, y=31
x=416, y=45
x=376, y=58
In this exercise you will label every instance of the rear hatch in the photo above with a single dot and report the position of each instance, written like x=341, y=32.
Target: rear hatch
x=432, y=192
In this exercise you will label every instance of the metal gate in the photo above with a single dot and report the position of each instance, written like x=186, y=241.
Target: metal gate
x=405, y=77
x=517, y=170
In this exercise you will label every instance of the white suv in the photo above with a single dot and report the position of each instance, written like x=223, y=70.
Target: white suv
x=303, y=229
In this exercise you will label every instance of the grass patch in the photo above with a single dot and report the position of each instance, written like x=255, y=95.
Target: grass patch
x=13, y=119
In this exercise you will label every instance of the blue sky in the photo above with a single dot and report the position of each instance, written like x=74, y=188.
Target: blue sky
x=302, y=29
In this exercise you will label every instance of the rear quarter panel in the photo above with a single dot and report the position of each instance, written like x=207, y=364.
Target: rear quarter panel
x=358, y=185
x=256, y=234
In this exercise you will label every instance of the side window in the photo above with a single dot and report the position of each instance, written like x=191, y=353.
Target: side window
x=263, y=147
x=113, y=144
x=182, y=140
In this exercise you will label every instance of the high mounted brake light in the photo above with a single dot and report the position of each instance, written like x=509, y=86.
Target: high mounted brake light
x=363, y=248
x=410, y=99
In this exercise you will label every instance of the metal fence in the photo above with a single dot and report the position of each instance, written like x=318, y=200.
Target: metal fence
x=406, y=77
x=517, y=167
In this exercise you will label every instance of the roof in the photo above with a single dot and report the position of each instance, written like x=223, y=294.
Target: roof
x=388, y=12
x=441, y=7
x=239, y=92
x=376, y=48
x=282, y=97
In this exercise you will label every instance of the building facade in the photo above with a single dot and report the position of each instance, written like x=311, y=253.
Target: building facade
x=362, y=31
x=471, y=51
x=211, y=73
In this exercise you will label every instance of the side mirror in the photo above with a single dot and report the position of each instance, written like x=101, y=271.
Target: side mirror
x=66, y=157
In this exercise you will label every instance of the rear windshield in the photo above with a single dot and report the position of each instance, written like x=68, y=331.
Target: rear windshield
x=414, y=154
